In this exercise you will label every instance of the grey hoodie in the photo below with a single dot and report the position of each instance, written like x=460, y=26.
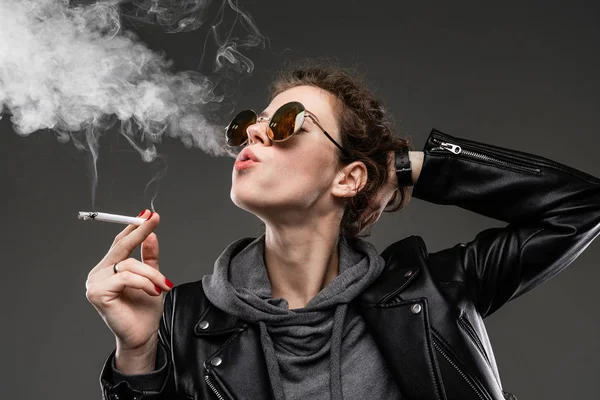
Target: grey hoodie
x=296, y=343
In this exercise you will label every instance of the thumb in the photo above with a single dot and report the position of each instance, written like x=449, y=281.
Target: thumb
x=150, y=250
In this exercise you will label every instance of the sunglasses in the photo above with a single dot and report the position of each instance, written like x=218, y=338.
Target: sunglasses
x=284, y=123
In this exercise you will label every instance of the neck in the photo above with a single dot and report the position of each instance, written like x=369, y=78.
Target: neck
x=301, y=260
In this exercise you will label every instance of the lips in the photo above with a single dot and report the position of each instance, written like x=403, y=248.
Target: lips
x=242, y=165
x=247, y=154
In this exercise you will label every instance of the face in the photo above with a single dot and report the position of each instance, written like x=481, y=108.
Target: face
x=297, y=178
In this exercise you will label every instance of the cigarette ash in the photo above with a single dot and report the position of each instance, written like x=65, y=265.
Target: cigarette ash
x=87, y=215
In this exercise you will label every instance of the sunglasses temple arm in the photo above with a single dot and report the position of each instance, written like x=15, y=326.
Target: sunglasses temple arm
x=330, y=138
x=334, y=142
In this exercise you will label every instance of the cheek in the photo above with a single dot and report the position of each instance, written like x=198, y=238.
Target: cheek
x=289, y=178
x=303, y=179
x=299, y=178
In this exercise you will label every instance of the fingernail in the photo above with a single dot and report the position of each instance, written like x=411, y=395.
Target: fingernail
x=157, y=289
x=169, y=283
x=142, y=213
x=150, y=216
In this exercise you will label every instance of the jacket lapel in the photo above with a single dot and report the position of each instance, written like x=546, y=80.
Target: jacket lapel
x=237, y=369
x=398, y=316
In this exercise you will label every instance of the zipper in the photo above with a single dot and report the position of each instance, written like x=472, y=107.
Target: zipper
x=466, y=325
x=465, y=375
x=214, y=389
x=457, y=149
x=210, y=384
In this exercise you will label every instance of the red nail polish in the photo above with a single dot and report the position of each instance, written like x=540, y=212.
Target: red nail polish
x=157, y=289
x=150, y=216
x=169, y=283
x=142, y=213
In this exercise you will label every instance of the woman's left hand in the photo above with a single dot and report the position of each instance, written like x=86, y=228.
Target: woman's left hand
x=377, y=204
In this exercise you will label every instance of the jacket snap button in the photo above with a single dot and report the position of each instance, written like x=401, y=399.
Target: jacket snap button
x=407, y=274
x=204, y=324
x=216, y=361
x=415, y=309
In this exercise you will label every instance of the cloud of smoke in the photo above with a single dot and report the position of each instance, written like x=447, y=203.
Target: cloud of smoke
x=72, y=69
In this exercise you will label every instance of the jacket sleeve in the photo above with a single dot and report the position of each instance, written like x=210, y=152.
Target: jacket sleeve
x=156, y=385
x=552, y=211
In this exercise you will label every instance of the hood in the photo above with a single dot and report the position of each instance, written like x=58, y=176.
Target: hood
x=240, y=286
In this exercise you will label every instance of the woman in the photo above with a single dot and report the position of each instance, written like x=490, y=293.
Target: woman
x=309, y=310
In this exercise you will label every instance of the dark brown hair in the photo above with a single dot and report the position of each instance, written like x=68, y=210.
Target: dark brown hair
x=366, y=128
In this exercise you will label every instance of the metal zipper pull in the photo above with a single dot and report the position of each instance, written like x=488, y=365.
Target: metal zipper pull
x=456, y=149
x=453, y=148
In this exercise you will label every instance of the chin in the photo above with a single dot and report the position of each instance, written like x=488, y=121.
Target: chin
x=244, y=200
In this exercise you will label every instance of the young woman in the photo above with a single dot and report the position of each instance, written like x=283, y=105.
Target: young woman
x=310, y=310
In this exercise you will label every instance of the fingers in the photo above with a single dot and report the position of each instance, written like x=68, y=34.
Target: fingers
x=150, y=251
x=128, y=229
x=109, y=257
x=371, y=209
x=386, y=196
x=132, y=266
x=370, y=220
x=394, y=197
x=125, y=246
x=117, y=283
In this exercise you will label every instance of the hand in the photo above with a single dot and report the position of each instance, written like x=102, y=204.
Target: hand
x=373, y=211
x=128, y=301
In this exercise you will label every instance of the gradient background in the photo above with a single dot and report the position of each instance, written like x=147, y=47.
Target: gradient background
x=519, y=76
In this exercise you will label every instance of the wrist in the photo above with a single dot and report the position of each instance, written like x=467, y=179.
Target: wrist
x=402, y=167
x=416, y=161
x=140, y=360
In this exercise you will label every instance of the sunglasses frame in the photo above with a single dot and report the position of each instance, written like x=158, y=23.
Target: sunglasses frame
x=269, y=132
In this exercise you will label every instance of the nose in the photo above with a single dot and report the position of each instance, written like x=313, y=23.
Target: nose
x=258, y=132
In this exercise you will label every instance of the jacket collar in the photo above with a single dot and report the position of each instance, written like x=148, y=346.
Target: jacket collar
x=214, y=321
x=403, y=262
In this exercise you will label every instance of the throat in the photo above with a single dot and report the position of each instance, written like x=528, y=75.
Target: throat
x=295, y=300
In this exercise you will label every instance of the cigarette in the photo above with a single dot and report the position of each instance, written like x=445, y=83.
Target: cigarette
x=106, y=217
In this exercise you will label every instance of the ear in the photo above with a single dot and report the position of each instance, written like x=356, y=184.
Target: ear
x=350, y=180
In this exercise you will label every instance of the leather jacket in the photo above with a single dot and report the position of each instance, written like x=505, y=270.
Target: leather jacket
x=426, y=310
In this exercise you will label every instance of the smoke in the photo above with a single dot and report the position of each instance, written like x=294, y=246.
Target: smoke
x=74, y=70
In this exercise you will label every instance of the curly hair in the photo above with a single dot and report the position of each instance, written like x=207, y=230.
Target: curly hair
x=366, y=129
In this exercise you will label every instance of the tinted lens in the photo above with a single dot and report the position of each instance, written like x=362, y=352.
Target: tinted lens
x=287, y=120
x=236, y=130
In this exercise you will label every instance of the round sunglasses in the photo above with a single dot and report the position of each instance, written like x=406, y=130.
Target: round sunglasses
x=284, y=123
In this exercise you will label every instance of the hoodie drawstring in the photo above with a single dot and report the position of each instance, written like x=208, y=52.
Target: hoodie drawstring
x=272, y=364
x=335, y=359
x=336, y=350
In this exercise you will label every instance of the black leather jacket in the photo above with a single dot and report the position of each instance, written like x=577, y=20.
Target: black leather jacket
x=426, y=310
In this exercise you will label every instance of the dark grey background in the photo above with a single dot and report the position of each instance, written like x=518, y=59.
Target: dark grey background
x=520, y=76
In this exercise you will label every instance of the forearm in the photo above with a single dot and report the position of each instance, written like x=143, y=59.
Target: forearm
x=553, y=212
x=501, y=183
